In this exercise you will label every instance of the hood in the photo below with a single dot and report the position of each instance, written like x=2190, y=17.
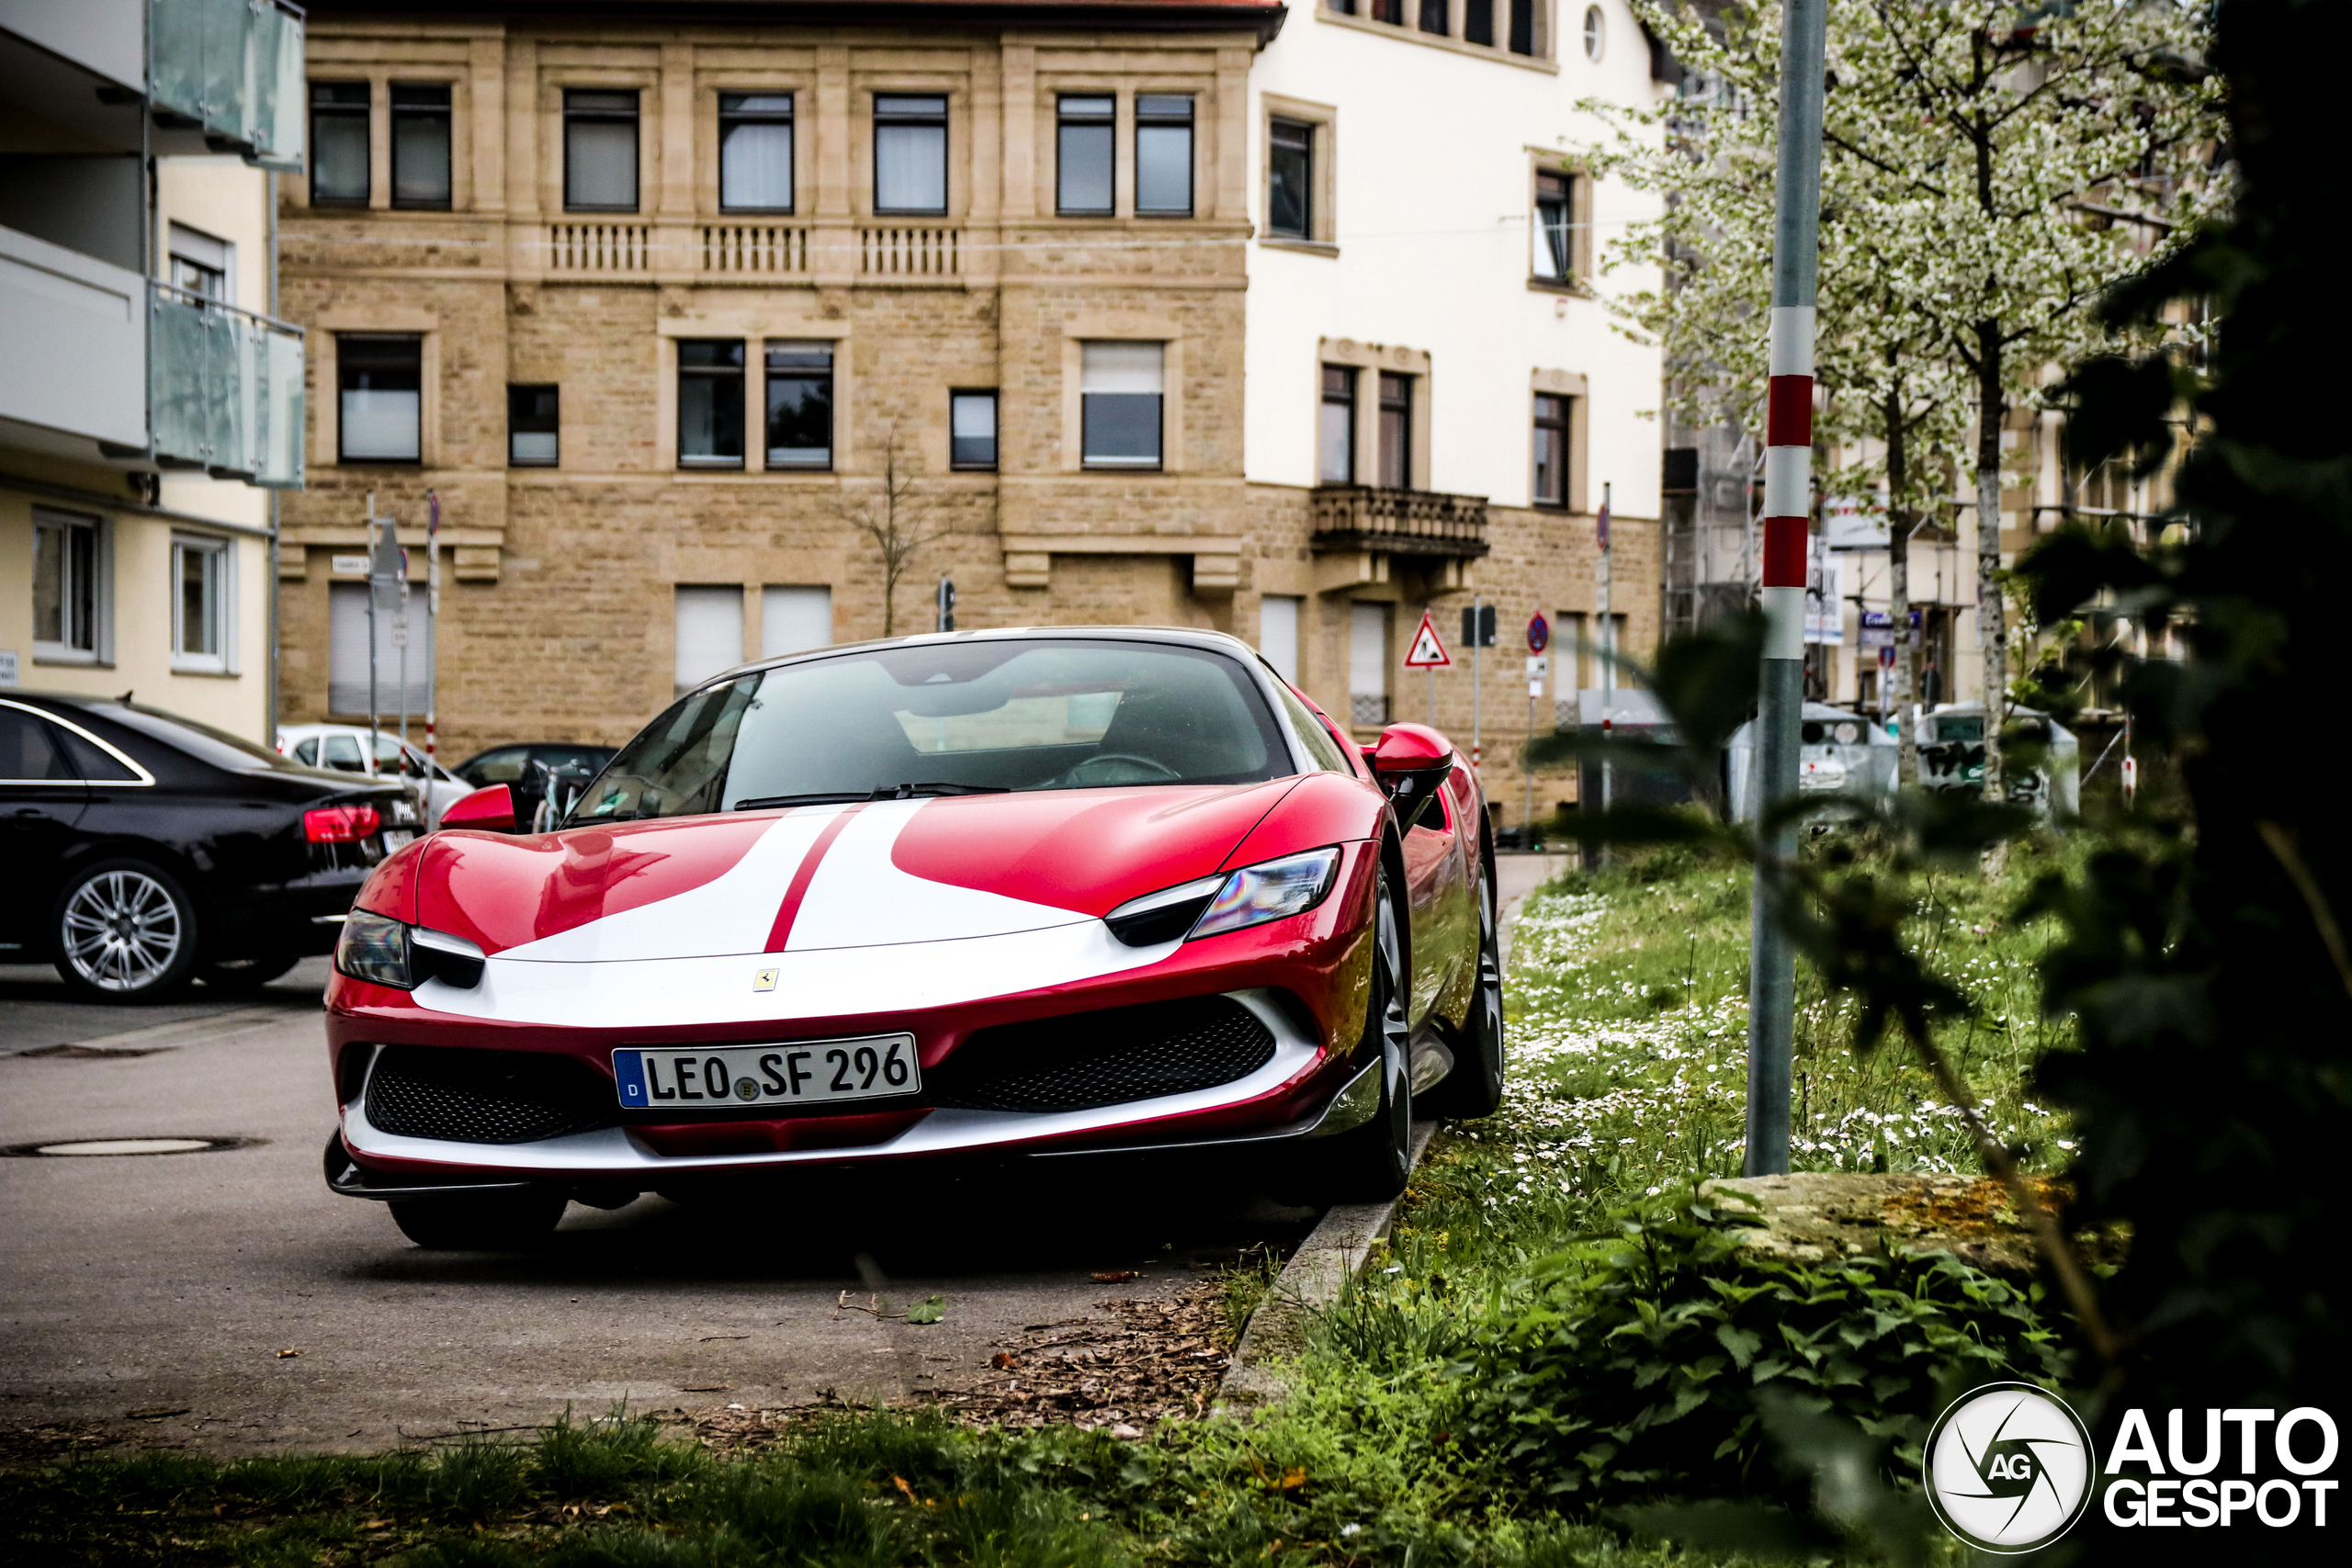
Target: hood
x=828, y=876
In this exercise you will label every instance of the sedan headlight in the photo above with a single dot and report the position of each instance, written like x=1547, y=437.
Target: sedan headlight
x=1272, y=890
x=374, y=948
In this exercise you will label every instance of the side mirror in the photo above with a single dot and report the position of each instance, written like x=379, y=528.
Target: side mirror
x=490, y=810
x=1405, y=749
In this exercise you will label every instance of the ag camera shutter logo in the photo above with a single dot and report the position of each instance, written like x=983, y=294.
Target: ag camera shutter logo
x=2008, y=1468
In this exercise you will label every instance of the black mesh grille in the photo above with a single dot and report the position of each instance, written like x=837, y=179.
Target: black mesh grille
x=485, y=1096
x=1105, y=1058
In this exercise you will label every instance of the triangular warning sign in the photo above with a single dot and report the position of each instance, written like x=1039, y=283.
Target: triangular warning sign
x=1428, y=653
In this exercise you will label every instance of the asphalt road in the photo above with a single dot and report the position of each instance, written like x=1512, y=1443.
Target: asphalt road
x=176, y=1282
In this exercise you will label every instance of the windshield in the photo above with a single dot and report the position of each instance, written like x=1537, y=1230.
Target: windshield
x=958, y=718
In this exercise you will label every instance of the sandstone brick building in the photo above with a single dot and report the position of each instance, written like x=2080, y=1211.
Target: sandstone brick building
x=1213, y=312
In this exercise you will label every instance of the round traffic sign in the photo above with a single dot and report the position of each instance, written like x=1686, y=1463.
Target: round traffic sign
x=1539, y=632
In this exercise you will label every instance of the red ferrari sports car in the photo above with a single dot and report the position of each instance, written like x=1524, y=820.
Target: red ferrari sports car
x=1044, y=893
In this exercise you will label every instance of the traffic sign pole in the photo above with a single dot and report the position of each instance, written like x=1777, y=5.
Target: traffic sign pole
x=1788, y=502
x=1539, y=637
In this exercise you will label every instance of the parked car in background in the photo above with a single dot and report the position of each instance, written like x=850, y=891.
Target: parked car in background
x=343, y=749
x=145, y=849
x=544, y=776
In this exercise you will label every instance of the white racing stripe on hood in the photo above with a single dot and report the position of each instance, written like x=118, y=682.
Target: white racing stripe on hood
x=731, y=913
x=823, y=982
x=859, y=898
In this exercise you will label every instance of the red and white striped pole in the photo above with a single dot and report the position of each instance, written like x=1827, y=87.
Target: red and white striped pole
x=1788, y=508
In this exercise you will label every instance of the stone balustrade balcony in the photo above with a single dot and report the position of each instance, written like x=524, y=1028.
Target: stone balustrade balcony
x=1383, y=521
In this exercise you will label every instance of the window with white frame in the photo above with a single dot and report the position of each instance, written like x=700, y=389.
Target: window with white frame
x=204, y=265
x=1278, y=634
x=1555, y=226
x=793, y=618
x=1121, y=394
x=709, y=635
x=201, y=584
x=69, y=586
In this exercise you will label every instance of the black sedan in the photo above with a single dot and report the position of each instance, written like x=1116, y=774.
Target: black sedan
x=145, y=849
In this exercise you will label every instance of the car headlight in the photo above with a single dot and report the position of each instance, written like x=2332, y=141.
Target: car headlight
x=374, y=948
x=1272, y=890
x=379, y=949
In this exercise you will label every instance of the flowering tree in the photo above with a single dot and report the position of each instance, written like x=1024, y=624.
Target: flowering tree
x=1987, y=172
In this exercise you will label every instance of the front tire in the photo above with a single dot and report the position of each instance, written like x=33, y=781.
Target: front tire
x=124, y=931
x=1370, y=1164
x=1474, y=1087
x=479, y=1221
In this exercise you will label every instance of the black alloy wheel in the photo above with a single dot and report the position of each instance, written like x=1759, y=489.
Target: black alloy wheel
x=124, y=931
x=242, y=977
x=480, y=1222
x=1474, y=1087
x=1369, y=1164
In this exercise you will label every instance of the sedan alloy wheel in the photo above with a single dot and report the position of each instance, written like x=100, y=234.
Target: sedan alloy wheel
x=126, y=932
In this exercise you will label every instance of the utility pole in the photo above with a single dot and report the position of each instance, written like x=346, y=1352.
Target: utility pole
x=1788, y=504
x=368, y=763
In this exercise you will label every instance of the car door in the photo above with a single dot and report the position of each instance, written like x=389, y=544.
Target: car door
x=41, y=798
x=1444, y=924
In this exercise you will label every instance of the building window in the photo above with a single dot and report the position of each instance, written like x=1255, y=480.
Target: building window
x=709, y=633
x=1120, y=391
x=794, y=619
x=1085, y=134
x=421, y=144
x=1390, y=11
x=532, y=427
x=67, y=591
x=1553, y=230
x=1278, y=634
x=755, y=151
x=200, y=605
x=1290, y=180
x=1551, y=479
x=382, y=380
x=1395, y=429
x=1336, y=432
x=910, y=153
x=710, y=403
x=338, y=143
x=600, y=150
x=1164, y=154
x=971, y=430
x=203, y=266
x=1522, y=27
x=1478, y=22
x=1435, y=17
x=1345, y=8
x=347, y=665
x=800, y=405
x=1596, y=32
x=1367, y=664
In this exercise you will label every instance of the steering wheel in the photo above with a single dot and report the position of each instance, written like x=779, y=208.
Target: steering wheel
x=1154, y=771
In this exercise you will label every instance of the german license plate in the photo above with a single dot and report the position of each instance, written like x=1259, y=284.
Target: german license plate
x=397, y=838
x=794, y=1072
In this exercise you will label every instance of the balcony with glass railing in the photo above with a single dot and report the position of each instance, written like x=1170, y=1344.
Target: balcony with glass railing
x=225, y=389
x=232, y=69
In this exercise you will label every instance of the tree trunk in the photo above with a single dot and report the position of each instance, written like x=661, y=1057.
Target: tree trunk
x=1898, y=563
x=1992, y=622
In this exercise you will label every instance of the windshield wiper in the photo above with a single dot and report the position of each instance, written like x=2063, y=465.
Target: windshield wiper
x=888, y=791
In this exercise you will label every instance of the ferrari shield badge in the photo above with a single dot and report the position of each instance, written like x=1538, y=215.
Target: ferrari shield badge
x=763, y=979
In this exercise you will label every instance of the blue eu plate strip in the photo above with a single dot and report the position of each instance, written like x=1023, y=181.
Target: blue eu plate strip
x=628, y=1073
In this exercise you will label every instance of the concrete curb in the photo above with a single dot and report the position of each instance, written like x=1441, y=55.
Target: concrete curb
x=1333, y=1254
